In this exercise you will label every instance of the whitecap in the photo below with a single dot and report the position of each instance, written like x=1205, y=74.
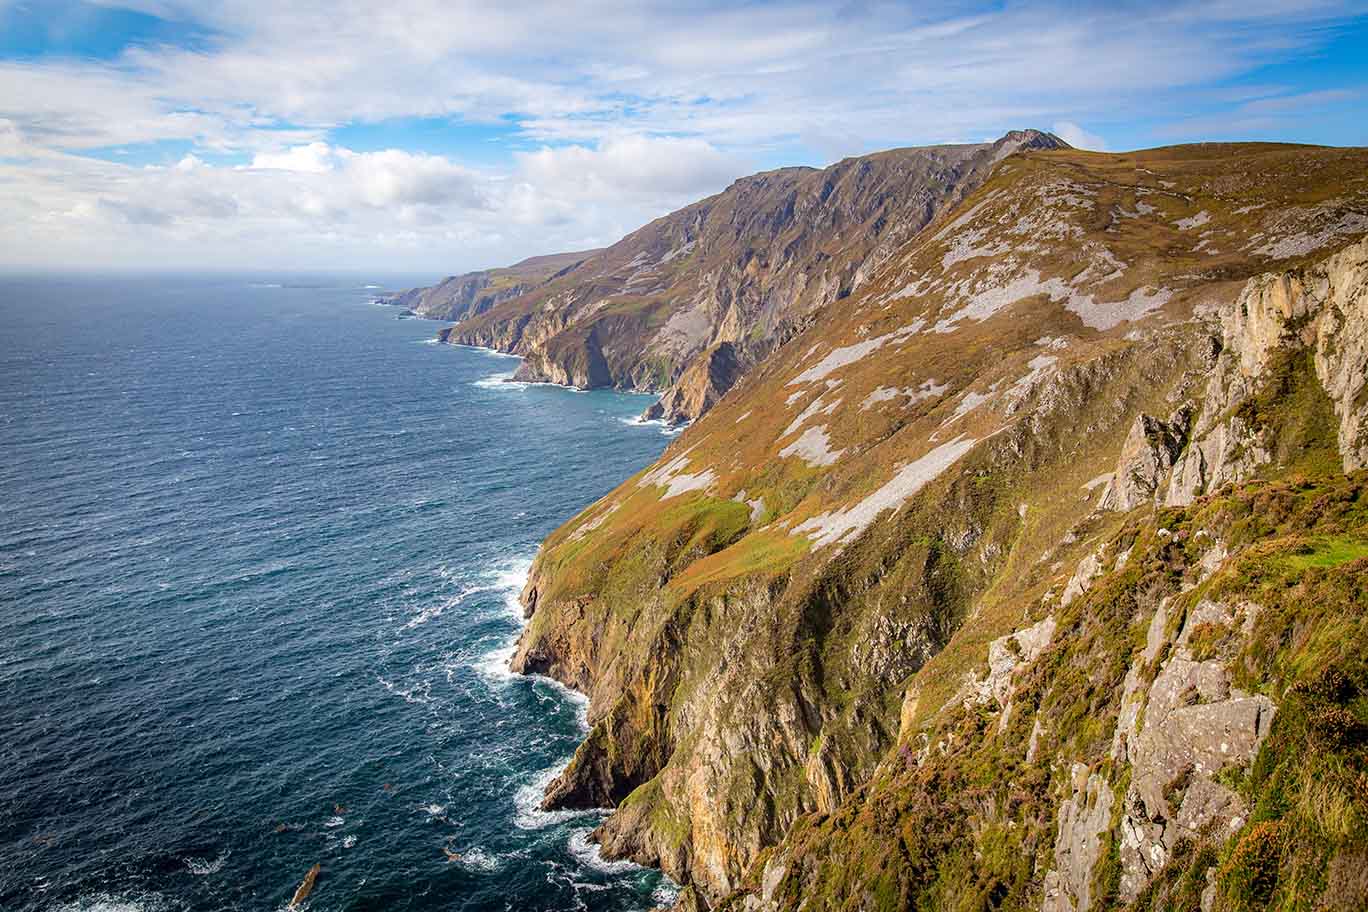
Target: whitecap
x=435, y=811
x=666, y=893
x=500, y=382
x=664, y=427
x=493, y=353
x=477, y=859
x=333, y=822
x=567, y=694
x=418, y=693
x=435, y=611
x=591, y=855
x=493, y=665
x=348, y=842
x=104, y=902
x=201, y=866
x=528, y=814
x=512, y=579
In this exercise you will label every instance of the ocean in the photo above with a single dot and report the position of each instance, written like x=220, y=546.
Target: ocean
x=259, y=562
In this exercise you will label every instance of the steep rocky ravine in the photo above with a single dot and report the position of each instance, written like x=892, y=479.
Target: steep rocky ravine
x=1020, y=579
x=688, y=304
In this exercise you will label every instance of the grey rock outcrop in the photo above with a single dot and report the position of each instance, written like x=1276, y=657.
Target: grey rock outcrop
x=1148, y=453
x=1178, y=735
x=1323, y=308
x=1083, y=817
x=1006, y=655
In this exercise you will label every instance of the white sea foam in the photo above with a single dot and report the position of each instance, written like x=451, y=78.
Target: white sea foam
x=591, y=855
x=493, y=665
x=527, y=812
x=486, y=351
x=477, y=859
x=578, y=702
x=666, y=893
x=202, y=866
x=510, y=580
x=348, y=842
x=503, y=381
x=419, y=693
x=333, y=822
x=104, y=902
x=665, y=428
x=437, y=610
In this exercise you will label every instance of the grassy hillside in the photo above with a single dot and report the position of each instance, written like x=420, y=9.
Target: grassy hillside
x=879, y=631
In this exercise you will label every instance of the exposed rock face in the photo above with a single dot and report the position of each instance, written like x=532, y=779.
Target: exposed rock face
x=463, y=296
x=745, y=269
x=703, y=382
x=776, y=636
x=1083, y=819
x=1196, y=725
x=1146, y=457
x=1317, y=308
x=1005, y=656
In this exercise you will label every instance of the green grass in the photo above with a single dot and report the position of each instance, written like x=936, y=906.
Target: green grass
x=1328, y=552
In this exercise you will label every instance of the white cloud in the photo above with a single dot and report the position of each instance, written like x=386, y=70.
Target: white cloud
x=623, y=109
x=314, y=158
x=1078, y=137
x=639, y=165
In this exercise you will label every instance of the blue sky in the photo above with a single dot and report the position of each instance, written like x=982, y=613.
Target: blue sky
x=442, y=135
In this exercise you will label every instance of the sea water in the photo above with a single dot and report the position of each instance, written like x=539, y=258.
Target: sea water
x=260, y=550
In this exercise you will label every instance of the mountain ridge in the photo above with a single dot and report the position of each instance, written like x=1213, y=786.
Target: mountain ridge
x=689, y=303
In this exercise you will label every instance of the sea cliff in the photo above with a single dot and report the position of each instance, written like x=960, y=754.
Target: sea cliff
x=1028, y=575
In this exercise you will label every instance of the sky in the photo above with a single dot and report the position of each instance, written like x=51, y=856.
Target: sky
x=439, y=136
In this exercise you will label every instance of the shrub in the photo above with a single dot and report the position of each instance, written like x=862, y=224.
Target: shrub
x=1250, y=874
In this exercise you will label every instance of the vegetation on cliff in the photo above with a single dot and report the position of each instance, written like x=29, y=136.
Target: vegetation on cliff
x=1029, y=576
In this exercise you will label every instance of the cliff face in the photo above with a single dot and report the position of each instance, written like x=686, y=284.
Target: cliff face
x=464, y=296
x=700, y=296
x=1030, y=576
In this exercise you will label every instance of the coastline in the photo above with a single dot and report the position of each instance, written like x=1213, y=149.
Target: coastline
x=668, y=431
x=528, y=798
x=382, y=302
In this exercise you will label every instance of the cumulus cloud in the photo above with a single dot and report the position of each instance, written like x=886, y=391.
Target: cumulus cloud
x=404, y=209
x=637, y=165
x=314, y=158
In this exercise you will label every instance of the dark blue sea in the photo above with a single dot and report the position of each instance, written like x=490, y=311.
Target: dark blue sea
x=260, y=547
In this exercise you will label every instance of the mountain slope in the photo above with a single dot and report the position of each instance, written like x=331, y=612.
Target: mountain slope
x=698, y=297
x=872, y=633
x=471, y=294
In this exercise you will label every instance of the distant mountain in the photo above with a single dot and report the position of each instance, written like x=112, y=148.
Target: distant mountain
x=691, y=302
x=469, y=295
